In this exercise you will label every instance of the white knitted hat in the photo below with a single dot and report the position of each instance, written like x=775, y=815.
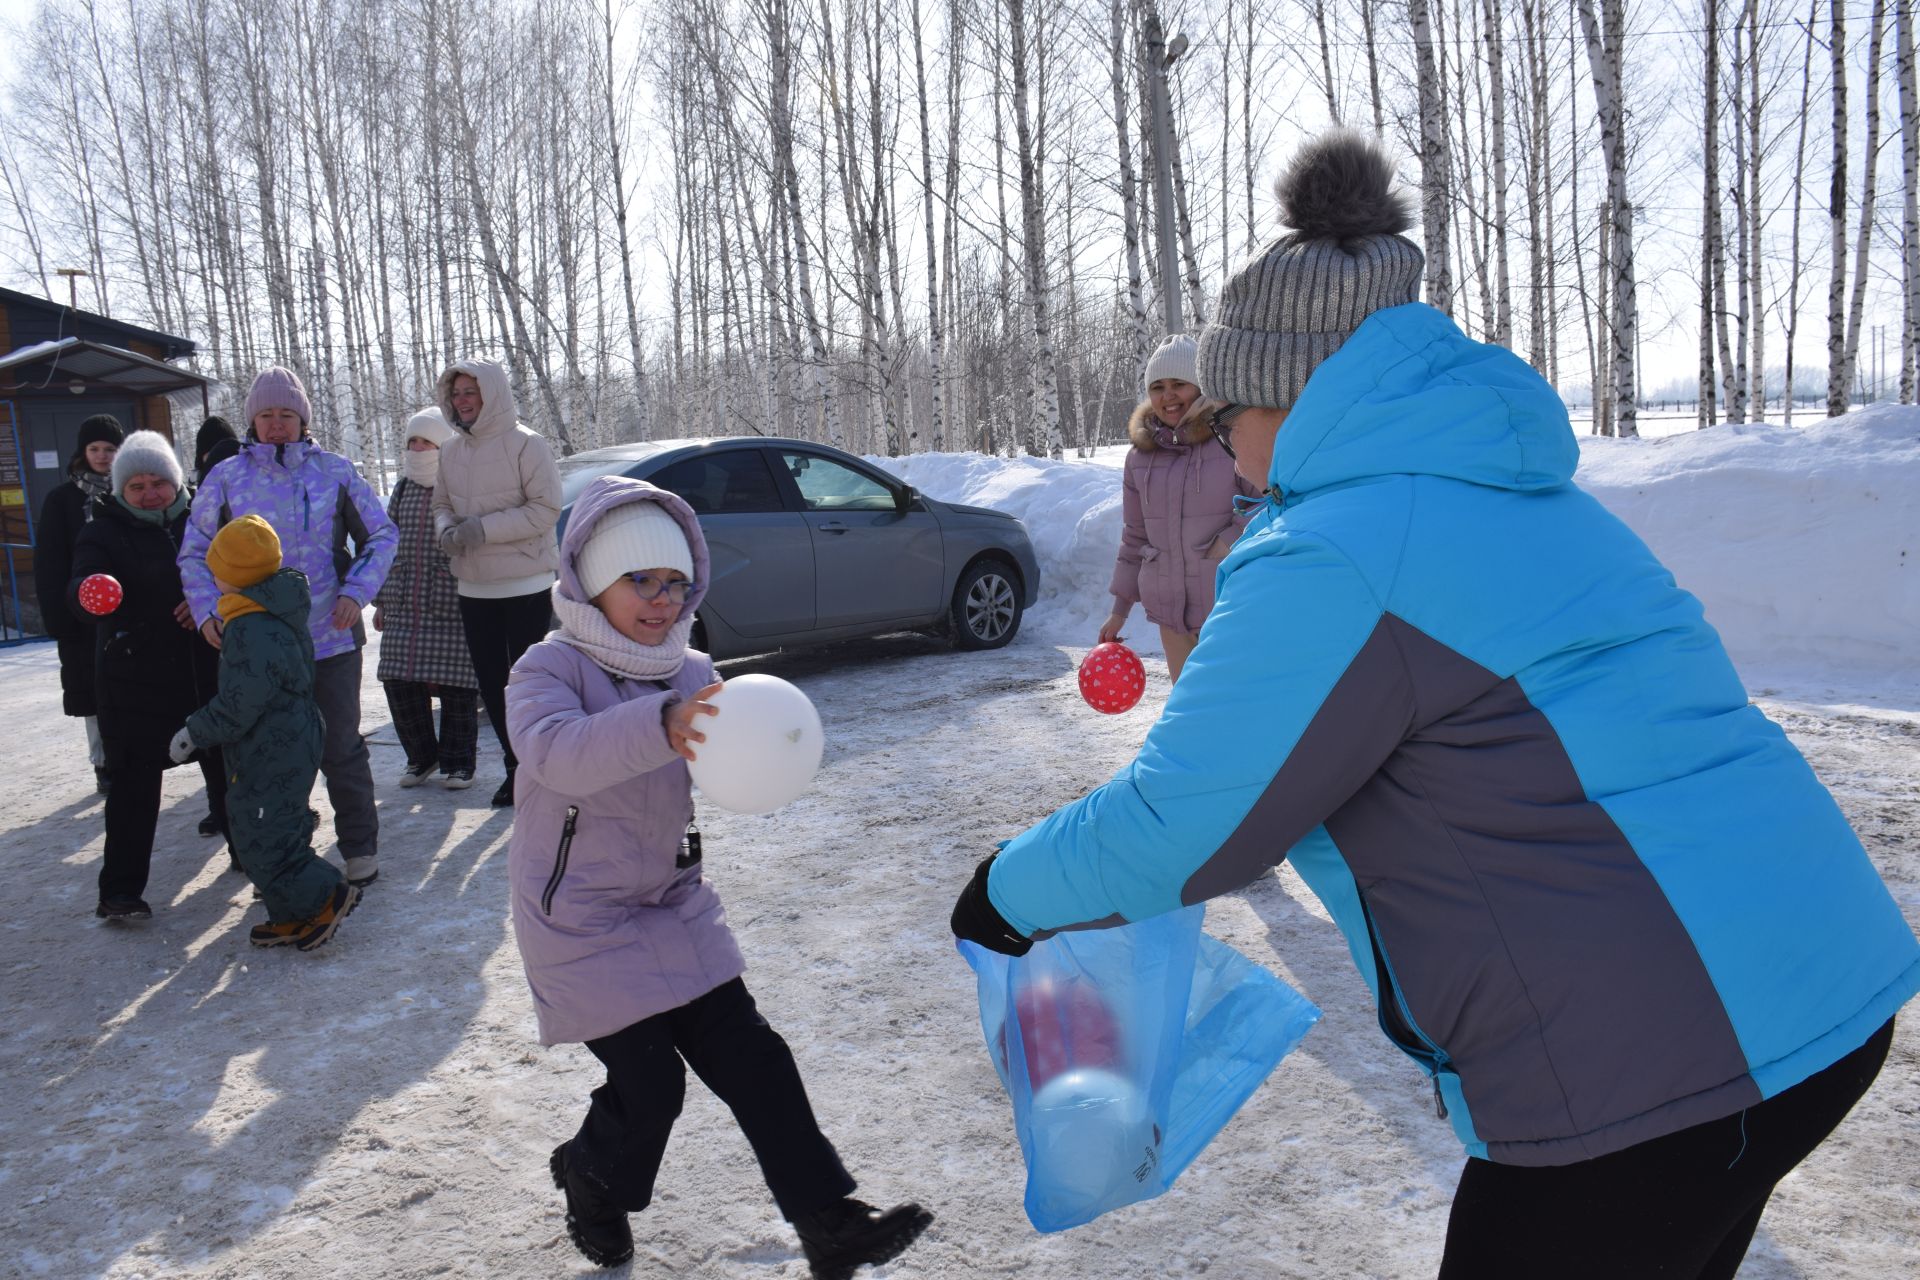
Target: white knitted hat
x=639, y=535
x=430, y=425
x=146, y=453
x=1177, y=357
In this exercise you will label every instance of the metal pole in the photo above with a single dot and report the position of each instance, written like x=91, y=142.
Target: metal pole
x=1157, y=61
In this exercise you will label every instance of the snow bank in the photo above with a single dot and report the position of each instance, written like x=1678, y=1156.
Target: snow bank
x=1801, y=542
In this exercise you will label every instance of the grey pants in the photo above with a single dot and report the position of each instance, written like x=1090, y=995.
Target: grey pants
x=343, y=757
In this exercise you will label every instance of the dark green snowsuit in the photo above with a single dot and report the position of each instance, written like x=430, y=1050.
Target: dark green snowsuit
x=265, y=718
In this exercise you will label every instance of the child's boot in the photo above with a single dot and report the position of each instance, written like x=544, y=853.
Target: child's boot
x=850, y=1233
x=597, y=1226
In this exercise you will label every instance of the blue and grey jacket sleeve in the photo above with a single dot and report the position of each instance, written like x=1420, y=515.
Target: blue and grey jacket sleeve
x=1275, y=722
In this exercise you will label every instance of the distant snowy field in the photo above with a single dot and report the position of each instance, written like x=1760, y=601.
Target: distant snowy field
x=182, y=1105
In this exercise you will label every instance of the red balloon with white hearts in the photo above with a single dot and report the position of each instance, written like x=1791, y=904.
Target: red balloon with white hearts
x=100, y=594
x=1112, y=678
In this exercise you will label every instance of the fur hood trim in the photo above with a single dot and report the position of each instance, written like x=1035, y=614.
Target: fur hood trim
x=1195, y=430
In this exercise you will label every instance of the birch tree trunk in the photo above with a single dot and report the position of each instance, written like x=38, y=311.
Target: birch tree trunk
x=1910, y=184
x=1856, y=311
x=1497, y=111
x=1837, y=218
x=794, y=213
x=1136, y=301
x=1435, y=165
x=1799, y=187
x=1713, y=317
x=1604, y=53
x=1033, y=227
x=937, y=431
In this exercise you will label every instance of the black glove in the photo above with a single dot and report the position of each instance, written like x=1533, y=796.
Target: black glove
x=975, y=919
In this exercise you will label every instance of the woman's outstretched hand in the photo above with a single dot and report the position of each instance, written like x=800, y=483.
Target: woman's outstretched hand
x=1110, y=629
x=678, y=718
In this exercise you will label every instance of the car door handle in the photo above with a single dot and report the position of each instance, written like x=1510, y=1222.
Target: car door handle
x=832, y=527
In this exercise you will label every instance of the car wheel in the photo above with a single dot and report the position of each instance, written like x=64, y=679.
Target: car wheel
x=986, y=607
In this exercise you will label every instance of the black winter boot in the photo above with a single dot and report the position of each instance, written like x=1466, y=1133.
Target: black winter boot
x=850, y=1233
x=597, y=1226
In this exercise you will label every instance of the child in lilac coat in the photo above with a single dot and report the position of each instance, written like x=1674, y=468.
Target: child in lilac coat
x=625, y=945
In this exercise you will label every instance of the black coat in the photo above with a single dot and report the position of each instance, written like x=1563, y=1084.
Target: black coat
x=150, y=672
x=62, y=516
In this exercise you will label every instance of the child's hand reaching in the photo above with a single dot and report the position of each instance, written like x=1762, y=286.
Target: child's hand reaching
x=678, y=718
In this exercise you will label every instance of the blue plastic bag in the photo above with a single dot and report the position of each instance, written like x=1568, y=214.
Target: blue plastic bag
x=1126, y=1050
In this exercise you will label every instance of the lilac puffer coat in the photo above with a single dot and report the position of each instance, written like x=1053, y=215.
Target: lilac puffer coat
x=610, y=929
x=1179, y=522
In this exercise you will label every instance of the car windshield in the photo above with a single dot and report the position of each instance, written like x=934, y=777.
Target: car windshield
x=582, y=469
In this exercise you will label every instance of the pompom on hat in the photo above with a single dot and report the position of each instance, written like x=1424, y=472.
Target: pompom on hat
x=244, y=552
x=638, y=535
x=1298, y=300
x=146, y=453
x=278, y=388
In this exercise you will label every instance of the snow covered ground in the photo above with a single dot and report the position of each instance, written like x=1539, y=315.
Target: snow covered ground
x=186, y=1106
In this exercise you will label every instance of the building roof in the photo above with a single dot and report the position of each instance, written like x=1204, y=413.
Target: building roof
x=50, y=368
x=97, y=327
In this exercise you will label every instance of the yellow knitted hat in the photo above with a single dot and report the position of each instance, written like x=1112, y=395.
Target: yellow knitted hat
x=246, y=551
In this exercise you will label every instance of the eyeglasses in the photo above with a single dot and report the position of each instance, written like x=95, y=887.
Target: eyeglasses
x=650, y=587
x=1221, y=424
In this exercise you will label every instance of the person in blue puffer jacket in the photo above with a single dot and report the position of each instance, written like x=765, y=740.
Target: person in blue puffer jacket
x=1600, y=898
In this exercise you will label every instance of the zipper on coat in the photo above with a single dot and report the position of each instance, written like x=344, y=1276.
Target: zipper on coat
x=1397, y=1021
x=560, y=860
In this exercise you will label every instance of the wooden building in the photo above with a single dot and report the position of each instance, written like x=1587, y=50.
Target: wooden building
x=59, y=367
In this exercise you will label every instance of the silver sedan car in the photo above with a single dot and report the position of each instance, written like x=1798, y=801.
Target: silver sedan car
x=810, y=544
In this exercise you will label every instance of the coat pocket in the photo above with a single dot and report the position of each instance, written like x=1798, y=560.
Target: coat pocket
x=560, y=860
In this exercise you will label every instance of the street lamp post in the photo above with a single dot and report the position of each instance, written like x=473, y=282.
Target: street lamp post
x=1162, y=54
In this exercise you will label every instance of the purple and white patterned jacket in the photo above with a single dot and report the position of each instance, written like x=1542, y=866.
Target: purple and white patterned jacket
x=316, y=501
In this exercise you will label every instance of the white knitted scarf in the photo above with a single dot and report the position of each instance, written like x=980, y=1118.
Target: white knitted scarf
x=587, y=629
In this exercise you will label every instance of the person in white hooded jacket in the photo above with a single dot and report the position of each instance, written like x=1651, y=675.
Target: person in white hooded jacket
x=494, y=511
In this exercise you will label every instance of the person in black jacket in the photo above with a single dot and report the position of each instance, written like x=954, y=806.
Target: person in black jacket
x=213, y=444
x=66, y=511
x=152, y=667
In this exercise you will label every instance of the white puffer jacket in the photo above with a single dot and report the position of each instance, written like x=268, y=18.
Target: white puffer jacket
x=504, y=473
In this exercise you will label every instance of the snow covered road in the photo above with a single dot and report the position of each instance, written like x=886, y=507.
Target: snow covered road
x=182, y=1105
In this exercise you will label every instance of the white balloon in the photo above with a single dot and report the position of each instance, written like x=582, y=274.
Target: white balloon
x=1093, y=1141
x=762, y=750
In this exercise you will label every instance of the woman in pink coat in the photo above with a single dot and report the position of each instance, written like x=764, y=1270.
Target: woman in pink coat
x=1177, y=506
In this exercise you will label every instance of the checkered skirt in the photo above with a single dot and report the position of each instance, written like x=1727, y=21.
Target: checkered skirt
x=423, y=639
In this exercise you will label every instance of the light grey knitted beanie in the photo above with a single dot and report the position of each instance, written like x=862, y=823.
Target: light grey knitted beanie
x=146, y=453
x=1295, y=302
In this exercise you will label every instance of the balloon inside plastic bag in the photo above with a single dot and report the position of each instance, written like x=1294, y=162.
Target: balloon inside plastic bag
x=1125, y=1051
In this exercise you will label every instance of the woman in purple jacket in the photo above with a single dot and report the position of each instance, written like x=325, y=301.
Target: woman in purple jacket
x=624, y=941
x=1177, y=507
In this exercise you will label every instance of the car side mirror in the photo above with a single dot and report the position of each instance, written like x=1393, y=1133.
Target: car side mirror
x=903, y=498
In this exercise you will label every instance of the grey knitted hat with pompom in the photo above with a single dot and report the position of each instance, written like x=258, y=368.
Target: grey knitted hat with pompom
x=1297, y=300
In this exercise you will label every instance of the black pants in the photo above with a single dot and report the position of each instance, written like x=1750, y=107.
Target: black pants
x=1682, y=1206
x=133, y=812
x=452, y=748
x=498, y=632
x=747, y=1065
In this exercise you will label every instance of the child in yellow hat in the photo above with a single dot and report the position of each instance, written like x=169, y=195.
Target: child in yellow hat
x=266, y=719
